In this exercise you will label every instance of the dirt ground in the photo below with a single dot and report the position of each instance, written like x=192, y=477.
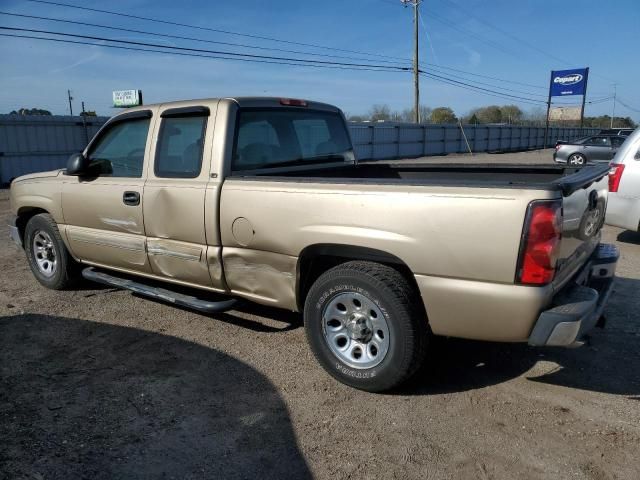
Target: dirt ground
x=98, y=383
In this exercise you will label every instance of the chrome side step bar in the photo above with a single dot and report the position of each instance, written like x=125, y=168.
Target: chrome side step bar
x=162, y=294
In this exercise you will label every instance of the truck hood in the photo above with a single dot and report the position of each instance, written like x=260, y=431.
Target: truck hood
x=33, y=176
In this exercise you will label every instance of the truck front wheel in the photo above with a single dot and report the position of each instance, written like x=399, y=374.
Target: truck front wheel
x=366, y=326
x=50, y=262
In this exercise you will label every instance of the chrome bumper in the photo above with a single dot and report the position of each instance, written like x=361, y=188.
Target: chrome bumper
x=14, y=233
x=578, y=308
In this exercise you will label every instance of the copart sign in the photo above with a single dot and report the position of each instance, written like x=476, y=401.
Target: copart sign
x=569, y=82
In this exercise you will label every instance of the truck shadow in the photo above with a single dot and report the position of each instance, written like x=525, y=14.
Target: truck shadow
x=629, y=236
x=80, y=399
x=608, y=363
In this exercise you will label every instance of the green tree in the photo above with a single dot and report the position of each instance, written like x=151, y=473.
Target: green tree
x=490, y=114
x=425, y=114
x=471, y=119
x=30, y=111
x=511, y=113
x=443, y=115
x=379, y=112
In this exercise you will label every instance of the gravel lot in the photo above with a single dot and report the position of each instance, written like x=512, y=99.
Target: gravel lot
x=100, y=383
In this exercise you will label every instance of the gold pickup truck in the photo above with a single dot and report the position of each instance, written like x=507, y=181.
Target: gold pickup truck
x=263, y=199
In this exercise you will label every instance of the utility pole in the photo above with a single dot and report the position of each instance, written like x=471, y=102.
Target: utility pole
x=546, y=127
x=613, y=114
x=70, y=98
x=416, y=68
x=584, y=96
x=84, y=124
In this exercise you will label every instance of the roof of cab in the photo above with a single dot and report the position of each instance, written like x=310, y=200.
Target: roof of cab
x=242, y=102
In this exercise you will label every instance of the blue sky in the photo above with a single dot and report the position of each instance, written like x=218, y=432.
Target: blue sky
x=520, y=41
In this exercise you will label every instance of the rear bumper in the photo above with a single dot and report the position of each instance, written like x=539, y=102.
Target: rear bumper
x=579, y=306
x=14, y=233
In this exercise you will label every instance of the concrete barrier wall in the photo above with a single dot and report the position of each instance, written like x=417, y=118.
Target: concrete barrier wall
x=38, y=143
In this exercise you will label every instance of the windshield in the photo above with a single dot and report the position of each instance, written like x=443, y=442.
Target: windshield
x=282, y=137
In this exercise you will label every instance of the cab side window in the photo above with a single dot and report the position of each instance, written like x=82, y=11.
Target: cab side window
x=120, y=151
x=179, y=150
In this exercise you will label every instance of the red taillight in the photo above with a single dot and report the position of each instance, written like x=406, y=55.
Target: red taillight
x=615, y=175
x=540, y=243
x=293, y=102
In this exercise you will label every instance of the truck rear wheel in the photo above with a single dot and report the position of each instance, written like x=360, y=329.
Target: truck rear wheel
x=50, y=262
x=366, y=326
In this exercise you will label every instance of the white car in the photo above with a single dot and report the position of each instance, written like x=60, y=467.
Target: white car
x=623, y=209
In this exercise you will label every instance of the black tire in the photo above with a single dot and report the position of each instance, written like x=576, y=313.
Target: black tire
x=401, y=308
x=66, y=271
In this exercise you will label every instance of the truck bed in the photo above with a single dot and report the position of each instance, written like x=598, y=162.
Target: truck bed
x=538, y=177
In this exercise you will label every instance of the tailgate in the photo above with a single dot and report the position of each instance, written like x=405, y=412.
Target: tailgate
x=584, y=204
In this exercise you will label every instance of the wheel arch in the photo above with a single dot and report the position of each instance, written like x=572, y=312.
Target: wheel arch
x=316, y=259
x=25, y=214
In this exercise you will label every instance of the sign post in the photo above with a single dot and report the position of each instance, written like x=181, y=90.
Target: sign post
x=565, y=83
x=127, y=98
x=584, y=96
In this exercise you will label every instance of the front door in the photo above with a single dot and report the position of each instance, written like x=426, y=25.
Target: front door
x=103, y=210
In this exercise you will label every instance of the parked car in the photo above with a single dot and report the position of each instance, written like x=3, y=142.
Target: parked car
x=625, y=132
x=262, y=199
x=624, y=185
x=595, y=149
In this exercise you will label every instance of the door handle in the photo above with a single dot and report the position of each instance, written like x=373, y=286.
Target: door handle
x=131, y=198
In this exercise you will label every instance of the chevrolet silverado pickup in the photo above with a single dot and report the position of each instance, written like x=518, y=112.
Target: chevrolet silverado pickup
x=203, y=203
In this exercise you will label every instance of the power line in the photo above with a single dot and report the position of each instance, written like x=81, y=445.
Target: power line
x=257, y=47
x=468, y=32
x=216, y=30
x=180, y=37
x=505, y=33
x=190, y=54
x=426, y=33
x=484, y=90
x=215, y=52
x=218, y=57
x=241, y=45
x=183, y=51
x=489, y=77
x=514, y=37
x=624, y=104
x=439, y=70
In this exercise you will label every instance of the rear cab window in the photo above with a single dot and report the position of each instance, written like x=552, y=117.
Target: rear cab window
x=280, y=137
x=180, y=144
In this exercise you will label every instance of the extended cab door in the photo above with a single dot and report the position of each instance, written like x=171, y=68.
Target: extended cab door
x=103, y=209
x=175, y=206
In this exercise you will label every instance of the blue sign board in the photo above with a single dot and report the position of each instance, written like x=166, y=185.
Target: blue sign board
x=568, y=82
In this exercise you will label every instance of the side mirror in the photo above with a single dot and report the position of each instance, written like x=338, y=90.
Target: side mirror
x=77, y=164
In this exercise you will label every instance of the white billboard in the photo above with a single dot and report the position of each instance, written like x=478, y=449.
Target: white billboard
x=127, y=98
x=564, y=113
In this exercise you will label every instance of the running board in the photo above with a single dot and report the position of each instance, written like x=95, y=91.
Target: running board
x=162, y=294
